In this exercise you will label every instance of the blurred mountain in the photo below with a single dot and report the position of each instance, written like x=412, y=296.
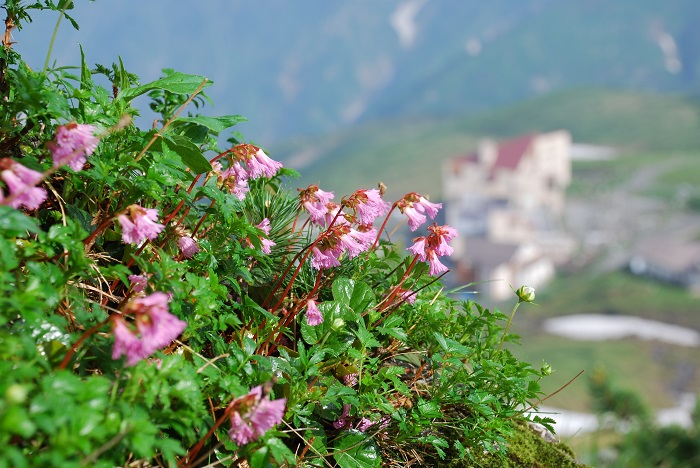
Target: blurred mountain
x=313, y=66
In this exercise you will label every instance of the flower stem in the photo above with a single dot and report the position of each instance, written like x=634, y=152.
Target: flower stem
x=55, y=32
x=510, y=320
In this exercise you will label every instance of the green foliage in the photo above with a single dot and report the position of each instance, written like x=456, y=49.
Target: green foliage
x=228, y=303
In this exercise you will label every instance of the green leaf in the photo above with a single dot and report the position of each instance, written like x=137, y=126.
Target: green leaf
x=215, y=124
x=353, y=293
x=178, y=83
x=356, y=450
x=188, y=152
x=14, y=223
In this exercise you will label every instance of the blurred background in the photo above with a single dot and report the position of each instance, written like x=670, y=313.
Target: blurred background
x=562, y=136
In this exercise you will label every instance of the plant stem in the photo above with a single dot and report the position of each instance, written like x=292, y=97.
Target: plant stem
x=510, y=320
x=55, y=32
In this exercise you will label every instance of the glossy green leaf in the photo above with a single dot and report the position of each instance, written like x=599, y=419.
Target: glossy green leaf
x=178, y=83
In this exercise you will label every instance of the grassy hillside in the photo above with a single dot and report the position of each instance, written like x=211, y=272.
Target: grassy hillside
x=407, y=155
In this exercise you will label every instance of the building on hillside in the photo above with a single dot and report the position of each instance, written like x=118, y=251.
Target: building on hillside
x=672, y=258
x=506, y=200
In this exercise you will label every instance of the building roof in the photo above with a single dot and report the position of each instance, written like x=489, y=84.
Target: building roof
x=483, y=253
x=511, y=152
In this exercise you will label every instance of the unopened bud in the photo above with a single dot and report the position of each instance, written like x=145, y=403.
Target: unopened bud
x=546, y=369
x=337, y=324
x=526, y=294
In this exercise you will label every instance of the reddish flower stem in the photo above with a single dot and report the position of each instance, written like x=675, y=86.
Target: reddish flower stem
x=381, y=229
x=85, y=336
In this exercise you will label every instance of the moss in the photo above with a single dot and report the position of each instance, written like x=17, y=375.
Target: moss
x=527, y=449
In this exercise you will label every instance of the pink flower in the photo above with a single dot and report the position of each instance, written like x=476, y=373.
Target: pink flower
x=126, y=343
x=261, y=165
x=253, y=415
x=234, y=179
x=418, y=248
x=264, y=226
x=157, y=326
x=187, y=246
x=368, y=204
x=355, y=241
x=21, y=182
x=414, y=205
x=324, y=259
x=350, y=380
x=139, y=224
x=315, y=201
x=138, y=283
x=415, y=218
x=267, y=244
x=430, y=208
x=313, y=314
x=436, y=268
x=364, y=424
x=72, y=144
x=341, y=422
x=408, y=296
x=434, y=246
x=333, y=213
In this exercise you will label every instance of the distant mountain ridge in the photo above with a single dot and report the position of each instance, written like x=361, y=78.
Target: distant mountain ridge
x=313, y=66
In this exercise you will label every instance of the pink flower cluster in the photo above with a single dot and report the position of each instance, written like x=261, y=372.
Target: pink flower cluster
x=253, y=415
x=267, y=244
x=434, y=246
x=72, y=144
x=339, y=239
x=156, y=326
x=248, y=162
x=21, y=183
x=368, y=205
x=138, y=224
x=415, y=207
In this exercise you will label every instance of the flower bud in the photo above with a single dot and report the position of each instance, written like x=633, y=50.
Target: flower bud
x=16, y=394
x=546, y=369
x=337, y=324
x=526, y=294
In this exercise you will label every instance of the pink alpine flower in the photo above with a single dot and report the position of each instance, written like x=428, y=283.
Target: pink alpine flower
x=253, y=415
x=21, y=183
x=187, y=246
x=138, y=283
x=436, y=268
x=407, y=295
x=418, y=248
x=72, y=144
x=434, y=246
x=350, y=380
x=368, y=205
x=341, y=422
x=414, y=206
x=313, y=314
x=139, y=224
x=126, y=343
x=356, y=242
x=234, y=179
x=157, y=326
x=260, y=165
x=315, y=201
x=443, y=234
x=333, y=215
x=267, y=244
x=324, y=259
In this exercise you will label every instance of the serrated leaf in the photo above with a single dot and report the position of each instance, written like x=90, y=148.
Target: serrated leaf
x=14, y=223
x=353, y=293
x=188, y=152
x=177, y=83
x=215, y=124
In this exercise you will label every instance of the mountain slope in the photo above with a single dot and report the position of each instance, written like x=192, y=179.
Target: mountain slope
x=313, y=66
x=406, y=154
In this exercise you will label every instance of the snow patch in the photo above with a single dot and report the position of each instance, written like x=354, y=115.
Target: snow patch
x=403, y=20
